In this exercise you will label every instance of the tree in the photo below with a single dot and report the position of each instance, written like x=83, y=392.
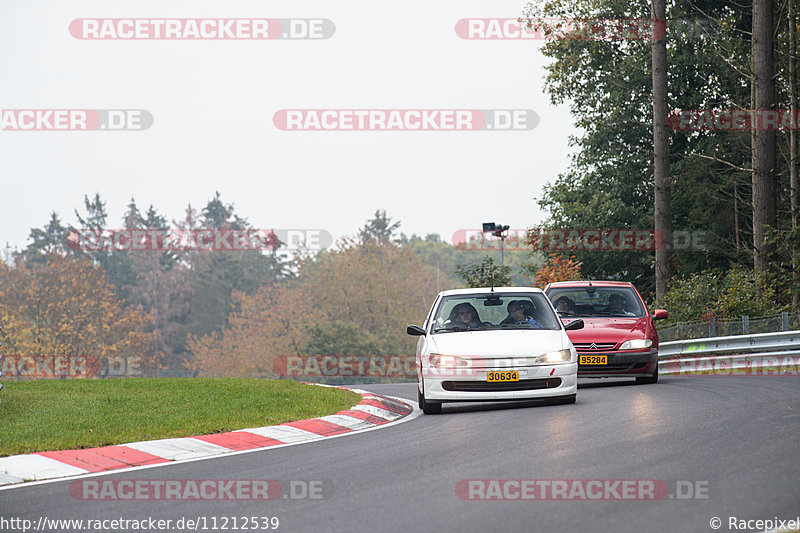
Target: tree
x=65, y=306
x=273, y=322
x=445, y=258
x=486, y=274
x=377, y=286
x=661, y=179
x=794, y=187
x=765, y=202
x=357, y=298
x=610, y=183
x=379, y=229
x=557, y=267
x=218, y=215
x=52, y=239
x=215, y=275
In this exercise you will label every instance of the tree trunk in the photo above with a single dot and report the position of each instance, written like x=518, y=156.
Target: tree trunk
x=663, y=206
x=765, y=202
x=736, y=215
x=793, y=187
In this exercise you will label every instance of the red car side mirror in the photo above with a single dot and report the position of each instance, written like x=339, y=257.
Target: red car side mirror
x=659, y=314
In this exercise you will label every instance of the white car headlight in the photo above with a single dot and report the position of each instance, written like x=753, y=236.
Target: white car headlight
x=447, y=361
x=559, y=356
x=636, y=344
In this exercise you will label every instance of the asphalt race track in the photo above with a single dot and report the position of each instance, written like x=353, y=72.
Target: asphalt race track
x=731, y=440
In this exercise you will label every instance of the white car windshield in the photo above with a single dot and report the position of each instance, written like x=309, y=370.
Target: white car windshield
x=596, y=302
x=493, y=311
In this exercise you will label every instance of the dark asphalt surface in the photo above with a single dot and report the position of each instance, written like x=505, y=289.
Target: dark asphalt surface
x=737, y=436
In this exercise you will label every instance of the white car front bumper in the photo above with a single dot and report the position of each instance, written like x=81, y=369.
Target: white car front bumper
x=541, y=381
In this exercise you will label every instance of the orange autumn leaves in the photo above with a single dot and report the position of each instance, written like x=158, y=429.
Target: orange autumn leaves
x=557, y=268
x=65, y=306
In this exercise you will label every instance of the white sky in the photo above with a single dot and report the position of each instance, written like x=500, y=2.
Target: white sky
x=213, y=104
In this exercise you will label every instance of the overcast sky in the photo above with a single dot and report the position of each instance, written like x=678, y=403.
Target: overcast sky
x=213, y=103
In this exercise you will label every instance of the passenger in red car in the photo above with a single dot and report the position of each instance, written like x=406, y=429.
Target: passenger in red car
x=616, y=306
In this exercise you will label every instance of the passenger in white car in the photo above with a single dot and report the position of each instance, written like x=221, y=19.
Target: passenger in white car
x=517, y=315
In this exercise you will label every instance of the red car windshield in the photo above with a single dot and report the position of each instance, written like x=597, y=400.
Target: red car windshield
x=596, y=302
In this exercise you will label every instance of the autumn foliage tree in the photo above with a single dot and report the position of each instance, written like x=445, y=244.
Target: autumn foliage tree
x=358, y=297
x=270, y=323
x=558, y=268
x=65, y=306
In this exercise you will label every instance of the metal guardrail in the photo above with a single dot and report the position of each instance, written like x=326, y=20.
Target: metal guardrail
x=759, y=342
x=713, y=327
x=760, y=353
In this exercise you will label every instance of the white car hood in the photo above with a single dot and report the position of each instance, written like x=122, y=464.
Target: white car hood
x=499, y=343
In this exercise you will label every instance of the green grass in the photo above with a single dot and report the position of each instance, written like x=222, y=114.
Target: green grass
x=68, y=414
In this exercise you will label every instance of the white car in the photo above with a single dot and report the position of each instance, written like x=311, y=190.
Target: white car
x=502, y=343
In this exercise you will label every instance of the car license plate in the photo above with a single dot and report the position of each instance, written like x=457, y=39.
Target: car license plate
x=592, y=360
x=502, y=376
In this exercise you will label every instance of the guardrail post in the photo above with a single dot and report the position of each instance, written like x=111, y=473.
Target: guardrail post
x=712, y=327
x=784, y=321
x=745, y=324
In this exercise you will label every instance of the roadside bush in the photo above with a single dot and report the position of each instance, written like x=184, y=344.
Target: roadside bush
x=727, y=295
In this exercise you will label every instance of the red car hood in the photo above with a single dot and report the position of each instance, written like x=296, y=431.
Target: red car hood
x=608, y=329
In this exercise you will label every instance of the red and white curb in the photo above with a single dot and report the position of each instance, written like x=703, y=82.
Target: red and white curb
x=373, y=411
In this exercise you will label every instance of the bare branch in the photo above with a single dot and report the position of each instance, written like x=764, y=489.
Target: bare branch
x=718, y=160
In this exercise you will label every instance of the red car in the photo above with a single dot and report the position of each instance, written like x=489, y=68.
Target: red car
x=619, y=338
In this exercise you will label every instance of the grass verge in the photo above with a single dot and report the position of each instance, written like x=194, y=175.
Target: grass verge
x=67, y=414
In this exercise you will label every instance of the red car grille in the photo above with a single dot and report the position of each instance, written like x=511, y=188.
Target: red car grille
x=594, y=346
